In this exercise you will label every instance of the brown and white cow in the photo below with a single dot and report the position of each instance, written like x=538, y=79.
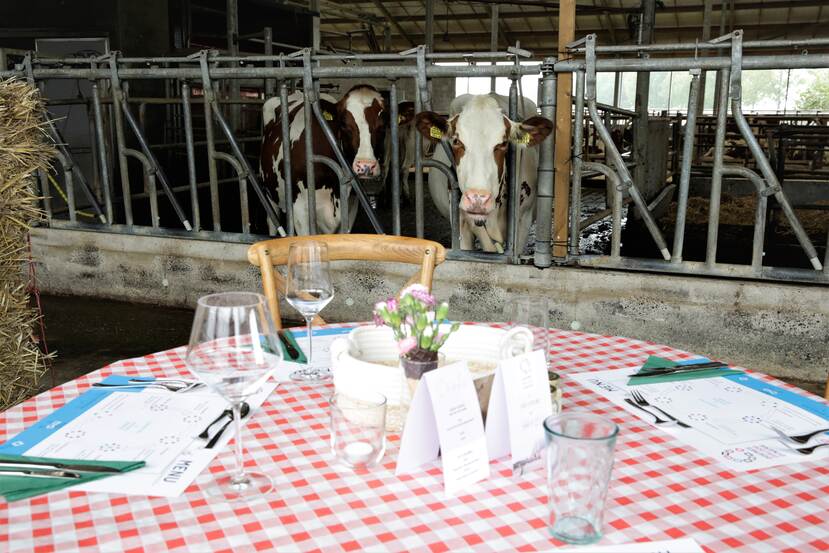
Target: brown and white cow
x=479, y=132
x=359, y=121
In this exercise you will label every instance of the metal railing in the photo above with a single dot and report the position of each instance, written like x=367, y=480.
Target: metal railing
x=305, y=70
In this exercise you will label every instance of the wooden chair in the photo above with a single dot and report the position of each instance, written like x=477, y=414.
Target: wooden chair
x=341, y=247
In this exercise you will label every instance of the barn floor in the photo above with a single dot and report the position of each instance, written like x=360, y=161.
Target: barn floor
x=88, y=334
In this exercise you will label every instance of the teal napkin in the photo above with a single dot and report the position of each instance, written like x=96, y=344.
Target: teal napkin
x=14, y=487
x=655, y=362
x=285, y=354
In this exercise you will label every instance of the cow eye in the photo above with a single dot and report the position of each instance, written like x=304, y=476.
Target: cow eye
x=456, y=143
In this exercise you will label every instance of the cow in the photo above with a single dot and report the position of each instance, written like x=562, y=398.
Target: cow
x=359, y=122
x=478, y=133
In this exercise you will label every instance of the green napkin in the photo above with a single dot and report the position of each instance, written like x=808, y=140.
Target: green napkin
x=21, y=487
x=655, y=362
x=287, y=356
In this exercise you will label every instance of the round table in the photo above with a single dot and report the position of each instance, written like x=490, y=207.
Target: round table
x=660, y=488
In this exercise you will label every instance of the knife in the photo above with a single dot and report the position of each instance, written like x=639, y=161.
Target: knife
x=39, y=473
x=289, y=347
x=42, y=465
x=680, y=369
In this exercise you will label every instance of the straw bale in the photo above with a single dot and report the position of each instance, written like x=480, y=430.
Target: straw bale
x=24, y=147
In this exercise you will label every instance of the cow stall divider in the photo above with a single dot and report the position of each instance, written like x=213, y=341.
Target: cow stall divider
x=303, y=70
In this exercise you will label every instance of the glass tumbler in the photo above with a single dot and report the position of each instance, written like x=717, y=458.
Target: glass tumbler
x=358, y=428
x=534, y=313
x=579, y=463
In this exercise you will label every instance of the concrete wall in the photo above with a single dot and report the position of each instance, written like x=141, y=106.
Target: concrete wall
x=777, y=328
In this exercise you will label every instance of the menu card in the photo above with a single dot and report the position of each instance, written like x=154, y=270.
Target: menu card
x=519, y=403
x=445, y=416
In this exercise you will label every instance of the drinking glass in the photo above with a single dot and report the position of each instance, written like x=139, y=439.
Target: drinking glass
x=234, y=349
x=533, y=313
x=358, y=428
x=308, y=289
x=579, y=462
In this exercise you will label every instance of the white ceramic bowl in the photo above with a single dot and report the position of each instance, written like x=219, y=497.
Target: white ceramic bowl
x=368, y=358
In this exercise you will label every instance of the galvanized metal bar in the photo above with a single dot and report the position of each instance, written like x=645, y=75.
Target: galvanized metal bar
x=454, y=198
x=68, y=183
x=162, y=177
x=512, y=248
x=212, y=170
x=419, y=164
x=613, y=153
x=685, y=169
x=763, y=192
x=578, y=145
x=60, y=144
x=309, y=96
x=394, y=120
x=716, y=174
x=710, y=45
x=43, y=176
x=284, y=118
x=641, y=142
x=270, y=84
x=430, y=25
x=102, y=155
x=493, y=37
x=191, y=155
x=241, y=177
x=123, y=167
x=616, y=208
x=148, y=176
x=757, y=151
x=724, y=270
x=546, y=171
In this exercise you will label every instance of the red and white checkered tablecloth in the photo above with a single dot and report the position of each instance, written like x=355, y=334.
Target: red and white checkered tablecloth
x=660, y=489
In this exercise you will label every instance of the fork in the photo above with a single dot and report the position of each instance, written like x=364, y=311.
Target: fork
x=175, y=388
x=801, y=438
x=640, y=400
x=809, y=450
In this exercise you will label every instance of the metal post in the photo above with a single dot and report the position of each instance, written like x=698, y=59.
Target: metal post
x=718, y=81
x=685, y=171
x=616, y=186
x=512, y=246
x=546, y=170
x=706, y=36
x=493, y=38
x=191, y=155
x=123, y=167
x=314, y=6
x=617, y=87
x=716, y=174
x=286, y=157
x=578, y=137
x=430, y=25
x=212, y=171
x=308, y=96
x=395, y=158
x=270, y=84
x=640, y=131
x=103, y=164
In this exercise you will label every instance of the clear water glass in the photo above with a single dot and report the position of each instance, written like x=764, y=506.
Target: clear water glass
x=308, y=289
x=234, y=349
x=579, y=464
x=358, y=428
x=533, y=313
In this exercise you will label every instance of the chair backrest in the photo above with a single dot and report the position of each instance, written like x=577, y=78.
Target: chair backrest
x=341, y=247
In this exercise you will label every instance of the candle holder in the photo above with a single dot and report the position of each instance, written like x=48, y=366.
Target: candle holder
x=358, y=429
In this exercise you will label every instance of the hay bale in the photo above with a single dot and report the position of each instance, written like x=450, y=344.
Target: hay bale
x=24, y=148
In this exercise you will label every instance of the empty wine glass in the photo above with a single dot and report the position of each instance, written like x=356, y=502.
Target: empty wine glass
x=308, y=289
x=234, y=349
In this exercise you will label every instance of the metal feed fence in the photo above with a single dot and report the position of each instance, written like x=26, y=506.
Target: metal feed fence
x=305, y=70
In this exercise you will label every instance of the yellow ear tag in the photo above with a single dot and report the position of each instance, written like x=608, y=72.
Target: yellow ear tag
x=399, y=119
x=435, y=132
x=327, y=116
x=525, y=138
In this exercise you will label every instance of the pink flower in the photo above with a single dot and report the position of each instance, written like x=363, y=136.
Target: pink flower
x=406, y=345
x=392, y=304
x=420, y=293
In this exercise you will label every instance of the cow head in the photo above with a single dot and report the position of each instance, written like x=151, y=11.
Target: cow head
x=479, y=136
x=362, y=121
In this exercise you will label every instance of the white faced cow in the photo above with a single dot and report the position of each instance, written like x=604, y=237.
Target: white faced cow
x=359, y=122
x=479, y=132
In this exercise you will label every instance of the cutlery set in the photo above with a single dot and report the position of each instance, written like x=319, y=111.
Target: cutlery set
x=39, y=469
x=171, y=384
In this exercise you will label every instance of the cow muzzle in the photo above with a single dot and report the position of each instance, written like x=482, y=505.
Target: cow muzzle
x=477, y=204
x=366, y=168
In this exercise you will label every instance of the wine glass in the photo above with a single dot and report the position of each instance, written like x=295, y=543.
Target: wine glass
x=234, y=349
x=308, y=289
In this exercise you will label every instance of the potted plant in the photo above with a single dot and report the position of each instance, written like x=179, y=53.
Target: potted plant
x=419, y=327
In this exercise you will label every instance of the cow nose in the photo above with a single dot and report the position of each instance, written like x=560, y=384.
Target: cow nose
x=366, y=167
x=476, y=201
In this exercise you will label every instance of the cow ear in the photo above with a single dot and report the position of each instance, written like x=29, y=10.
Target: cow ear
x=405, y=113
x=531, y=131
x=432, y=126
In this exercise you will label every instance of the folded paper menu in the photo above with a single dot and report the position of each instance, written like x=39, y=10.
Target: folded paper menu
x=445, y=416
x=519, y=403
